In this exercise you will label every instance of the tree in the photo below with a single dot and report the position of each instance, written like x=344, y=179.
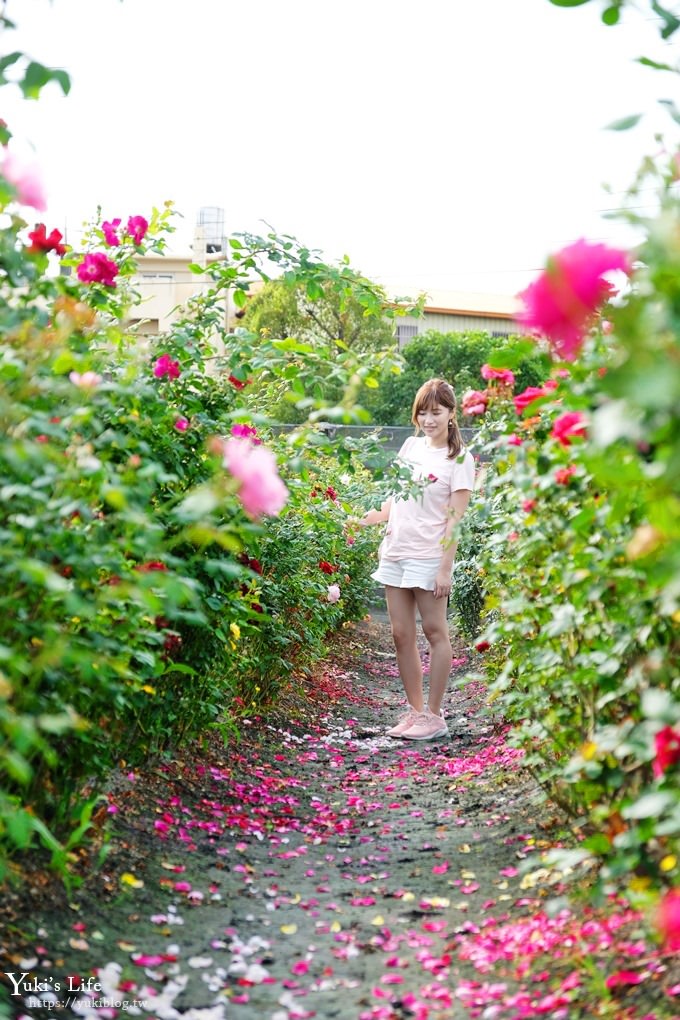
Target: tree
x=287, y=310
x=457, y=357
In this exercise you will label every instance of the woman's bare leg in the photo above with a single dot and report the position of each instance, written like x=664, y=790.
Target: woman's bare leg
x=436, y=629
x=401, y=606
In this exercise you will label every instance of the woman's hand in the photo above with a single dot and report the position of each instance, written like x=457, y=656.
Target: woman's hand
x=442, y=585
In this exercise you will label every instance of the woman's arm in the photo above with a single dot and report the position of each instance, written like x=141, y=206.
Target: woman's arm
x=458, y=504
x=374, y=516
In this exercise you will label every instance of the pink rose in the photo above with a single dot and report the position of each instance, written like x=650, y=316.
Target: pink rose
x=474, y=402
x=164, y=365
x=514, y=439
x=137, y=227
x=503, y=375
x=667, y=749
x=109, y=231
x=26, y=181
x=668, y=919
x=333, y=592
x=98, y=268
x=246, y=432
x=561, y=303
x=530, y=394
x=182, y=424
x=569, y=426
x=261, y=490
x=86, y=381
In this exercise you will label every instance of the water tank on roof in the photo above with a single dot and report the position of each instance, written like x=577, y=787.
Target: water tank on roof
x=211, y=224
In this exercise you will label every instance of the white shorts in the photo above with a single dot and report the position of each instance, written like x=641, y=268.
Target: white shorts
x=408, y=573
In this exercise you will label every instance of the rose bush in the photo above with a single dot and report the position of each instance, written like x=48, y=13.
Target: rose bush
x=160, y=538
x=581, y=559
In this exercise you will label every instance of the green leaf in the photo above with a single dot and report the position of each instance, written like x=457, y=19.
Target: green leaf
x=654, y=64
x=611, y=15
x=35, y=78
x=672, y=23
x=598, y=843
x=569, y=3
x=625, y=124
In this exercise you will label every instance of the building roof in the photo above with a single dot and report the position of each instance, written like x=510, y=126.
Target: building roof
x=452, y=302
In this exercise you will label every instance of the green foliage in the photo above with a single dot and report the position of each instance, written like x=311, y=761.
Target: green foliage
x=456, y=357
x=132, y=617
x=581, y=566
x=324, y=318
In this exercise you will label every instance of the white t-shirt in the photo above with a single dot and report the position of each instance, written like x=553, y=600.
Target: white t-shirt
x=416, y=526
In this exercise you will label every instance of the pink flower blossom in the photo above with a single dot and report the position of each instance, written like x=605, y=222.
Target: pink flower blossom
x=109, y=231
x=530, y=394
x=564, y=475
x=86, y=381
x=137, y=227
x=514, y=439
x=568, y=426
x=667, y=749
x=261, y=490
x=182, y=424
x=474, y=402
x=98, y=268
x=503, y=375
x=623, y=977
x=528, y=505
x=26, y=181
x=561, y=303
x=246, y=432
x=165, y=365
x=333, y=592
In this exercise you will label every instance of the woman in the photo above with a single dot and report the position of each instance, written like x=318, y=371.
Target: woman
x=418, y=551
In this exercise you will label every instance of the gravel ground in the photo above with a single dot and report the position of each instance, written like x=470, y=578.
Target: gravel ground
x=321, y=869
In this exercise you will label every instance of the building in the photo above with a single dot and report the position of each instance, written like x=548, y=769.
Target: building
x=166, y=283
x=457, y=312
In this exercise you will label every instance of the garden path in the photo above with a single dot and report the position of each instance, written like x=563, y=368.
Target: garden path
x=320, y=869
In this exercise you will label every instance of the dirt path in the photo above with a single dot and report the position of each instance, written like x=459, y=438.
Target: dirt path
x=321, y=869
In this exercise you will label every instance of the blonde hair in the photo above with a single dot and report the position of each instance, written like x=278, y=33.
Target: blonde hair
x=438, y=391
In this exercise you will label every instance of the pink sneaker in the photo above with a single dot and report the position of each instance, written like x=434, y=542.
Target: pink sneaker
x=427, y=726
x=404, y=723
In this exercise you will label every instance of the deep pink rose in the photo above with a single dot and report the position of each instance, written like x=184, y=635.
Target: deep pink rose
x=561, y=303
x=164, y=365
x=246, y=432
x=514, y=439
x=568, y=426
x=474, y=402
x=261, y=490
x=137, y=227
x=109, y=231
x=26, y=181
x=503, y=375
x=531, y=393
x=668, y=919
x=182, y=424
x=98, y=268
x=528, y=505
x=667, y=749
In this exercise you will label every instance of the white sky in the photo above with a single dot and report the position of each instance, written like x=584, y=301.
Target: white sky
x=441, y=144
